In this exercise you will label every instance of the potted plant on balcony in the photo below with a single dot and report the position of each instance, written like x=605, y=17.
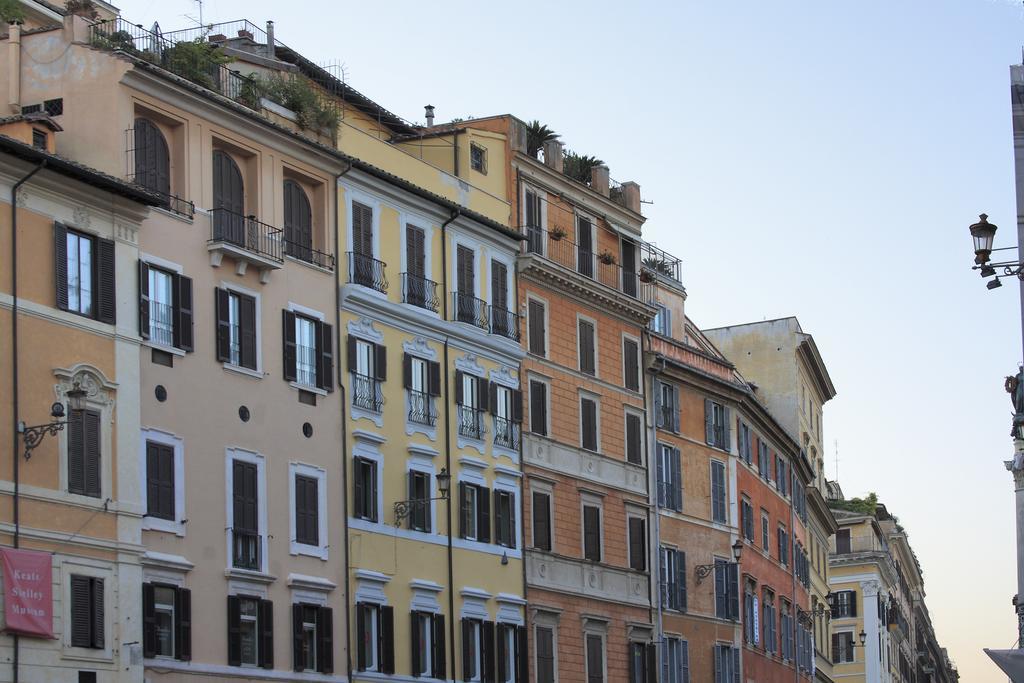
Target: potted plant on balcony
x=658, y=266
x=557, y=234
x=646, y=276
x=607, y=258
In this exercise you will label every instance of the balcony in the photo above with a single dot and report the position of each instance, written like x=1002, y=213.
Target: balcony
x=245, y=239
x=367, y=271
x=469, y=309
x=246, y=553
x=471, y=422
x=419, y=291
x=504, y=323
x=421, y=408
x=304, y=252
x=506, y=433
x=367, y=393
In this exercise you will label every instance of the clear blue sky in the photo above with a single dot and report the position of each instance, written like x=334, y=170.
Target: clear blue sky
x=821, y=159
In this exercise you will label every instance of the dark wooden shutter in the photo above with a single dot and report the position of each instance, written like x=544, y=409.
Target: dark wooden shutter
x=735, y=664
x=76, y=451
x=414, y=643
x=106, y=297
x=835, y=648
x=675, y=409
x=183, y=334
x=465, y=271
x=709, y=427
x=358, y=494
x=637, y=544
x=487, y=650
x=144, y=300
x=499, y=285
x=545, y=656
x=651, y=655
x=91, y=453
x=362, y=229
x=298, y=660
x=152, y=159
x=266, y=634
x=380, y=362
x=60, y=265
x=585, y=246
x=434, y=378
x=595, y=659
x=387, y=639
x=407, y=371
x=247, y=331
x=464, y=510
x=467, y=660
x=98, y=613
x=586, y=347
x=306, y=511
x=298, y=221
x=591, y=533
x=630, y=353
x=148, y=620
x=537, y=329
x=325, y=355
x=726, y=429
x=492, y=398
x=501, y=643
x=234, y=631
x=288, y=342
x=522, y=657
x=352, y=345
x=245, y=497
x=222, y=304
x=677, y=481
x=733, y=589
x=460, y=397
x=483, y=510
x=160, y=480
x=438, y=653
x=538, y=408
x=588, y=421
x=361, y=644
x=325, y=634
x=541, y=521
x=228, y=190
x=681, y=578
x=483, y=388
x=517, y=406
x=81, y=612
x=853, y=603
x=503, y=522
x=183, y=614
x=415, y=258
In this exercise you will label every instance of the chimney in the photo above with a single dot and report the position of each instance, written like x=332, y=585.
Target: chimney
x=553, y=156
x=14, y=68
x=429, y=112
x=270, y=40
x=631, y=196
x=599, y=176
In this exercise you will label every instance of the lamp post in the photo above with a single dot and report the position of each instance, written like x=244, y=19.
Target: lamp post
x=33, y=435
x=403, y=508
x=983, y=235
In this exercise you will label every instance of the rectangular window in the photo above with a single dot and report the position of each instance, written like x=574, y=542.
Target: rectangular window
x=536, y=320
x=844, y=604
x=538, y=407
x=39, y=139
x=161, y=307
x=746, y=448
x=507, y=639
x=763, y=459
x=749, y=610
x=84, y=452
x=375, y=647
x=586, y=347
x=541, y=510
x=505, y=518
x=365, y=489
x=160, y=481
x=588, y=424
x=422, y=379
x=637, y=544
x=245, y=523
x=80, y=273
x=747, y=515
x=716, y=425
x=544, y=639
x=631, y=364
x=306, y=350
x=536, y=238
x=843, y=542
x=166, y=621
x=312, y=641
x=165, y=307
x=768, y=620
x=478, y=641
x=675, y=661
x=419, y=498
x=765, y=526
x=584, y=246
x=783, y=541
x=506, y=405
x=423, y=646
x=368, y=364
x=471, y=400
x=727, y=597
x=727, y=664
x=87, y=612
x=474, y=512
x=842, y=647
x=592, y=533
x=718, y=492
x=307, y=510
x=84, y=274
x=666, y=407
x=478, y=158
x=670, y=478
x=673, y=579
x=634, y=439
x=236, y=329
x=595, y=658
x=662, y=321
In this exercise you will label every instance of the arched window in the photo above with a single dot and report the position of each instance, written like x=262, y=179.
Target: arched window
x=298, y=222
x=228, y=199
x=152, y=161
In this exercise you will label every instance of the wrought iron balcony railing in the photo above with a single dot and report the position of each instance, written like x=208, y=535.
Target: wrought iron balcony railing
x=419, y=291
x=421, y=408
x=367, y=271
x=161, y=323
x=306, y=253
x=471, y=422
x=506, y=433
x=469, y=309
x=367, y=393
x=505, y=323
x=246, y=550
x=245, y=232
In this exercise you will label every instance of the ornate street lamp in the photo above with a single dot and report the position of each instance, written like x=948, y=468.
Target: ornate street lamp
x=403, y=508
x=983, y=233
x=702, y=571
x=33, y=436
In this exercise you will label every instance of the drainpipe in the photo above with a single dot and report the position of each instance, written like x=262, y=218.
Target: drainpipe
x=652, y=451
x=15, y=456
x=344, y=424
x=792, y=573
x=448, y=441
x=14, y=67
x=654, y=529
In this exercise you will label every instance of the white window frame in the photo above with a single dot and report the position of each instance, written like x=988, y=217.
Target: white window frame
x=98, y=570
x=232, y=454
x=476, y=635
x=579, y=346
x=548, y=620
x=542, y=198
x=597, y=417
x=366, y=448
x=853, y=646
x=170, y=267
x=374, y=654
x=157, y=609
x=426, y=651
x=638, y=513
x=228, y=365
x=315, y=316
x=428, y=470
x=354, y=195
x=510, y=269
x=663, y=316
x=296, y=469
x=255, y=620
x=474, y=246
x=547, y=329
x=420, y=222
x=176, y=526
x=639, y=362
x=603, y=635
x=80, y=235
x=315, y=654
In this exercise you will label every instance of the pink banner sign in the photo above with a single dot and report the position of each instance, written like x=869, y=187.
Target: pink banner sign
x=28, y=592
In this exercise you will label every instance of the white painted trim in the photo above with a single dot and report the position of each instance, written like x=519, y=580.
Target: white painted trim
x=305, y=311
x=628, y=410
x=161, y=263
x=354, y=195
x=176, y=527
x=530, y=378
x=258, y=372
x=321, y=549
x=222, y=671
x=428, y=469
x=590, y=500
x=232, y=454
x=405, y=218
x=475, y=246
x=95, y=569
x=369, y=451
